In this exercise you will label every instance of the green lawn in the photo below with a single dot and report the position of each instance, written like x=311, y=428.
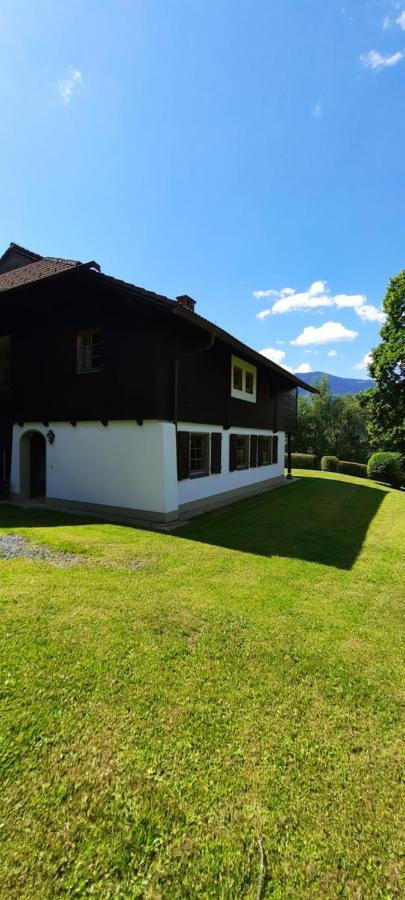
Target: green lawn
x=212, y=713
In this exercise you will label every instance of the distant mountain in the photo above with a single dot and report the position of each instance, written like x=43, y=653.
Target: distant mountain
x=338, y=385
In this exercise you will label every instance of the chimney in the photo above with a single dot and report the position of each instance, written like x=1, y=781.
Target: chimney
x=187, y=302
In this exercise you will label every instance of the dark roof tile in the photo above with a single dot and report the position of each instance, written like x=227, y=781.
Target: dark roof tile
x=35, y=271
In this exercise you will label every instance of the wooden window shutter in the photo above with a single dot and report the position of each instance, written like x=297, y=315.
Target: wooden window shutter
x=216, y=444
x=232, y=452
x=253, y=451
x=260, y=450
x=183, y=455
x=275, y=449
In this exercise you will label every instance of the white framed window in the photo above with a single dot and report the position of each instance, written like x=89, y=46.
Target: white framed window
x=89, y=351
x=243, y=380
x=199, y=455
x=242, y=451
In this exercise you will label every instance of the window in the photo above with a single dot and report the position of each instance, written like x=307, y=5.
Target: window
x=238, y=451
x=89, y=351
x=242, y=452
x=238, y=378
x=199, y=454
x=266, y=451
x=249, y=382
x=243, y=382
x=5, y=367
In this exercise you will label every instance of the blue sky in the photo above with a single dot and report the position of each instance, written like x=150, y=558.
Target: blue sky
x=250, y=154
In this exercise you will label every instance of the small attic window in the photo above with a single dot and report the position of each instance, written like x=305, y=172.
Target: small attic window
x=89, y=351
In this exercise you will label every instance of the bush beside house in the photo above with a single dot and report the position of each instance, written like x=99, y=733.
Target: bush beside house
x=352, y=468
x=303, y=461
x=329, y=463
x=386, y=467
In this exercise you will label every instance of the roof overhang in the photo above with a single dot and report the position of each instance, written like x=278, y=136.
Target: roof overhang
x=207, y=326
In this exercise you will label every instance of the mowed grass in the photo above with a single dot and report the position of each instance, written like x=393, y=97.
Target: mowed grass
x=214, y=712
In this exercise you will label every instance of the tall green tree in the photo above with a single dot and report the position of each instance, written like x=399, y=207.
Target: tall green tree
x=330, y=424
x=385, y=403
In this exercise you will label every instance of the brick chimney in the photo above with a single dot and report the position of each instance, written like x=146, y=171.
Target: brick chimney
x=187, y=302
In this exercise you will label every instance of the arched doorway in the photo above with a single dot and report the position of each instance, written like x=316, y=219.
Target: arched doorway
x=33, y=466
x=37, y=465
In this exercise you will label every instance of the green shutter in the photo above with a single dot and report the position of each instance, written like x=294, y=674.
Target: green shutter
x=275, y=449
x=216, y=444
x=253, y=451
x=260, y=450
x=183, y=455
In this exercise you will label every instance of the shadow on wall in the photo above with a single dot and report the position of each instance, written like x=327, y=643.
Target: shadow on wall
x=315, y=520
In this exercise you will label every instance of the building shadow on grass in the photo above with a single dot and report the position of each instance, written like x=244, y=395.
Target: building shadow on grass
x=315, y=519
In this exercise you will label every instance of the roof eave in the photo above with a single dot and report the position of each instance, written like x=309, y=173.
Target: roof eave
x=209, y=327
x=27, y=284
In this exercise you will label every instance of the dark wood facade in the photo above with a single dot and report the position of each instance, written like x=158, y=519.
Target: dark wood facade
x=156, y=364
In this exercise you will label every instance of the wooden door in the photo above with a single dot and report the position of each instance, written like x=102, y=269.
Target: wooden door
x=37, y=466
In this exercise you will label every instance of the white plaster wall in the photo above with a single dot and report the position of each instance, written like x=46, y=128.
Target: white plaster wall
x=198, y=488
x=123, y=464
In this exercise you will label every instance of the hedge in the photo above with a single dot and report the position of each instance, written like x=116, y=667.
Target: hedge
x=386, y=467
x=329, y=463
x=303, y=461
x=352, y=468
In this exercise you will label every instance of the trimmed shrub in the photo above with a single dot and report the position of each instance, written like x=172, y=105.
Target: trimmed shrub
x=329, y=463
x=352, y=468
x=303, y=461
x=386, y=467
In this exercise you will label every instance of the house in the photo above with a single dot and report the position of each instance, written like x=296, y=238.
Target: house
x=119, y=400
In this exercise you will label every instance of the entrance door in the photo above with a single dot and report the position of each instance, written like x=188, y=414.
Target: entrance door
x=37, y=466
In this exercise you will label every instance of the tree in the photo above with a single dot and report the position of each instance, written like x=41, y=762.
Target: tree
x=385, y=404
x=331, y=425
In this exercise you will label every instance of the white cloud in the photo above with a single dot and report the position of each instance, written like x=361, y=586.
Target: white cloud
x=317, y=110
x=377, y=61
x=369, y=313
x=272, y=353
x=280, y=343
x=260, y=294
x=401, y=20
x=287, y=299
x=327, y=333
x=70, y=84
x=302, y=369
x=365, y=362
x=317, y=296
x=345, y=301
x=387, y=22
x=332, y=353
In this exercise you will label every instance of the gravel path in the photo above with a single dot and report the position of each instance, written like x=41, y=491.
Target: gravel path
x=12, y=546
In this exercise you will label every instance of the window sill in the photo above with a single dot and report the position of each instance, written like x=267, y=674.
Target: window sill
x=242, y=395
x=88, y=371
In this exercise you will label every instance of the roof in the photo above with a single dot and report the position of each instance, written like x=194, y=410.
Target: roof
x=22, y=266
x=49, y=266
x=243, y=348
x=194, y=318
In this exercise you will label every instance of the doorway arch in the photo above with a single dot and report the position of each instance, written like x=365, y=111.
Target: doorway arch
x=33, y=466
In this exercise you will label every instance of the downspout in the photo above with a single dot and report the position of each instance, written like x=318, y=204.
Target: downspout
x=176, y=373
